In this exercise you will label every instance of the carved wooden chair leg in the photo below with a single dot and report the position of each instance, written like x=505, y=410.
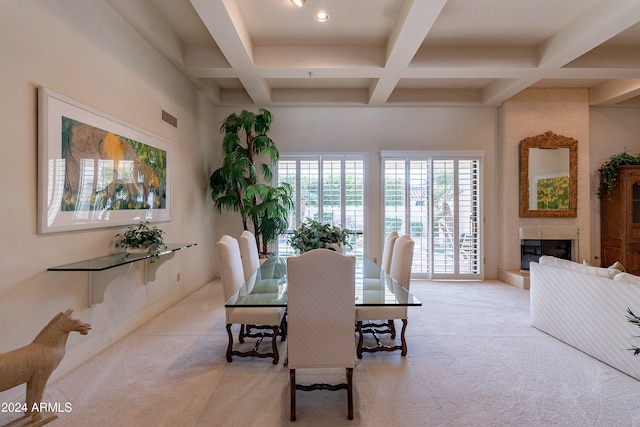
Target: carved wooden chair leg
x=274, y=345
x=230, y=345
x=283, y=328
x=392, y=328
x=404, y=342
x=350, y=393
x=360, y=339
x=292, y=386
x=242, y=333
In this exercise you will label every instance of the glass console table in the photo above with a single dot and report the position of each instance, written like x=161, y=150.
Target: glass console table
x=103, y=270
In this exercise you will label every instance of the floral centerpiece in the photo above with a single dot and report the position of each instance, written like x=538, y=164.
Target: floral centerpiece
x=315, y=235
x=141, y=238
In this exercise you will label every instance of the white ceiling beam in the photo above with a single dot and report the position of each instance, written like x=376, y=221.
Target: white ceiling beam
x=429, y=73
x=475, y=57
x=318, y=56
x=439, y=97
x=410, y=29
x=354, y=97
x=502, y=89
x=225, y=24
x=614, y=91
x=414, y=21
x=597, y=25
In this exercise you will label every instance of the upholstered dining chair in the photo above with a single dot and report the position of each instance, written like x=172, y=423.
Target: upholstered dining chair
x=249, y=254
x=321, y=311
x=400, y=271
x=262, y=279
x=373, y=280
x=232, y=279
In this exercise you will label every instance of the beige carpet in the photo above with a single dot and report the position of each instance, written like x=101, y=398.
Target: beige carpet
x=474, y=360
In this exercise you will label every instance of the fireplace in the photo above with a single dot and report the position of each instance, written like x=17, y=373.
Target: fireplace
x=553, y=240
x=532, y=250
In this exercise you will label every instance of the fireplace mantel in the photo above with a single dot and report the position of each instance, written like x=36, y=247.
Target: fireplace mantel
x=548, y=232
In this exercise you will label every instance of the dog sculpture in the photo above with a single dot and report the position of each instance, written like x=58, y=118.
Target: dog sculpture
x=34, y=363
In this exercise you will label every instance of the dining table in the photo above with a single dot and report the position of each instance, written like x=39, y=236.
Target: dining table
x=267, y=287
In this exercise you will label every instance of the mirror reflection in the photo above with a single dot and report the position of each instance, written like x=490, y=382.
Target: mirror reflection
x=548, y=176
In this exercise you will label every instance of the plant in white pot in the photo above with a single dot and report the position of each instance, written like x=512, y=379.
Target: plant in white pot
x=141, y=238
x=312, y=234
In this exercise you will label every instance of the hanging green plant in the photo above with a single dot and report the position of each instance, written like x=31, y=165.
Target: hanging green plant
x=609, y=171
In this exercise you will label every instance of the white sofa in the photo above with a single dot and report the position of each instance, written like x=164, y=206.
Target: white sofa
x=586, y=308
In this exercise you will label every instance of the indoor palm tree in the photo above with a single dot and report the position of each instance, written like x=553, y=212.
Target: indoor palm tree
x=239, y=184
x=271, y=212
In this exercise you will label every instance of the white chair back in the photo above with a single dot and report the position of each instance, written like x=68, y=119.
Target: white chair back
x=249, y=253
x=387, y=251
x=321, y=310
x=402, y=260
x=231, y=269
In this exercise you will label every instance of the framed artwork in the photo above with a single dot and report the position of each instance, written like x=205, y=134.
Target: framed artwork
x=97, y=171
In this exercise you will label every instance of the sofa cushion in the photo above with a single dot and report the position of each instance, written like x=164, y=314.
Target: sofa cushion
x=618, y=266
x=609, y=273
x=627, y=278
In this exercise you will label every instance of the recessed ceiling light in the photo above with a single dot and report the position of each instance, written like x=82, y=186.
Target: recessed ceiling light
x=299, y=3
x=321, y=16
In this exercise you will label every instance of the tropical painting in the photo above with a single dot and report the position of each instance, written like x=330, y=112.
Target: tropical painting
x=553, y=193
x=107, y=172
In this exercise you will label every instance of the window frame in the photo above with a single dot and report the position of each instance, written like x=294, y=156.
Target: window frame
x=434, y=156
x=330, y=156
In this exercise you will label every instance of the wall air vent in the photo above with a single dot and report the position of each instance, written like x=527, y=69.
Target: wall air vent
x=169, y=119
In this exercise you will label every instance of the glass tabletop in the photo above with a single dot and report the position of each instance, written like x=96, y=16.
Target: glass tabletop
x=268, y=287
x=117, y=259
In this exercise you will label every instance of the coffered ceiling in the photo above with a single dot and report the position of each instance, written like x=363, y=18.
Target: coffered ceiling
x=395, y=52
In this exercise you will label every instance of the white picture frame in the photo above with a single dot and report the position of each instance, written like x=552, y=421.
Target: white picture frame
x=95, y=170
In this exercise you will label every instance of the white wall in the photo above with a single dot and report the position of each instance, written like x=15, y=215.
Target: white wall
x=86, y=51
x=370, y=130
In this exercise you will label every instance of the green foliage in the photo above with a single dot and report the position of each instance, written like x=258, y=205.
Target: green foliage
x=141, y=236
x=634, y=319
x=609, y=171
x=272, y=209
x=312, y=234
x=238, y=185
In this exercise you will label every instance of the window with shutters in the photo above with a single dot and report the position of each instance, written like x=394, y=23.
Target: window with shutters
x=436, y=199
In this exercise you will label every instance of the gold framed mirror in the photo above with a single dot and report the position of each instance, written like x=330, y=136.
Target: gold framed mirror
x=548, y=176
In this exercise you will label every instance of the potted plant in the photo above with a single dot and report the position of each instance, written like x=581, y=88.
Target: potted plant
x=609, y=171
x=312, y=234
x=239, y=184
x=141, y=238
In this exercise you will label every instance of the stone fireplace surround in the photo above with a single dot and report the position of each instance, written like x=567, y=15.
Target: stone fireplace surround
x=520, y=278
